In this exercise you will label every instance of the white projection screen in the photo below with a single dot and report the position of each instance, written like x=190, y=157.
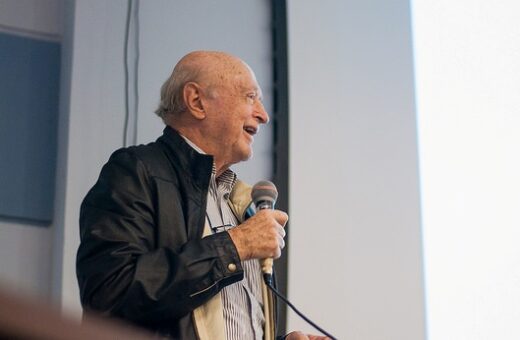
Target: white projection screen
x=404, y=162
x=355, y=262
x=467, y=58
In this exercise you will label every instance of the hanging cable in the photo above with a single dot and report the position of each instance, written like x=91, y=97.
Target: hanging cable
x=278, y=294
x=132, y=16
x=136, y=71
x=125, y=63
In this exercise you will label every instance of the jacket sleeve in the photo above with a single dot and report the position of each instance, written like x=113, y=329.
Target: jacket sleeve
x=120, y=270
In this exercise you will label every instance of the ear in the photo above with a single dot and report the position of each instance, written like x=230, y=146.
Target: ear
x=192, y=94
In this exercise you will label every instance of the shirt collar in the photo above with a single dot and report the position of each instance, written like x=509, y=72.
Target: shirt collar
x=228, y=178
x=193, y=145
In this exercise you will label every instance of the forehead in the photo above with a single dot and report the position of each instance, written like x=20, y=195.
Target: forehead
x=236, y=76
x=246, y=83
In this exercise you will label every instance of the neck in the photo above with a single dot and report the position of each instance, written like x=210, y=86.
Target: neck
x=197, y=137
x=220, y=169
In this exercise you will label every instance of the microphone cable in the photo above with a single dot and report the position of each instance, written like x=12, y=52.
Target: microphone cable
x=278, y=294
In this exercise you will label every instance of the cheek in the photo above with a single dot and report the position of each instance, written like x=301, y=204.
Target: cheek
x=235, y=126
x=231, y=133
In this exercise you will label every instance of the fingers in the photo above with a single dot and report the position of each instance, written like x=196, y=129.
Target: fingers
x=296, y=336
x=261, y=236
x=277, y=232
x=281, y=217
x=281, y=245
x=281, y=231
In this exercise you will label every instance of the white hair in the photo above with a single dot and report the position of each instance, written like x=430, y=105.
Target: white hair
x=172, y=98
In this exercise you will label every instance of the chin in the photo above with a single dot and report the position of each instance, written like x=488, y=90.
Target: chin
x=241, y=153
x=249, y=154
x=245, y=155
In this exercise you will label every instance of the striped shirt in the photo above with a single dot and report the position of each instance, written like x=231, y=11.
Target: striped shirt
x=242, y=301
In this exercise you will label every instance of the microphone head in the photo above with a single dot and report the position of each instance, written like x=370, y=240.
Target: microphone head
x=264, y=191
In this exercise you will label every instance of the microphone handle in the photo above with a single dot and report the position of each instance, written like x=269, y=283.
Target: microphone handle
x=267, y=266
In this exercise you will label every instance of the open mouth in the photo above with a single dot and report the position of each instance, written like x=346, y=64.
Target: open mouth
x=251, y=130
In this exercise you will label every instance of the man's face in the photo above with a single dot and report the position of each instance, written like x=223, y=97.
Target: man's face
x=235, y=112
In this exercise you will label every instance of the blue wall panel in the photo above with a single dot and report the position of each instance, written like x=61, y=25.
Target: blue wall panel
x=29, y=92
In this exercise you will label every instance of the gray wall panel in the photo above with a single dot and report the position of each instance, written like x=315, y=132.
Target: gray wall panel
x=29, y=88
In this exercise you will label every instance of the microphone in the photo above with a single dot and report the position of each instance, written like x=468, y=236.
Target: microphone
x=264, y=195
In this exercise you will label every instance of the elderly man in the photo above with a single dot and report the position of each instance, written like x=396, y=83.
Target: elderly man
x=168, y=238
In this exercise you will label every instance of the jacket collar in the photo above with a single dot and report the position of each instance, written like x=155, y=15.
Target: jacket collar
x=198, y=165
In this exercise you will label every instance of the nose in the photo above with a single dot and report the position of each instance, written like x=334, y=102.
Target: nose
x=260, y=113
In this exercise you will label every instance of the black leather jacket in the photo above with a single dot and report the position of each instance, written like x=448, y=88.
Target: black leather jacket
x=141, y=256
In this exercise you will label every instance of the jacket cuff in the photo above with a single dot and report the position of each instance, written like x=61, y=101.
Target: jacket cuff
x=230, y=263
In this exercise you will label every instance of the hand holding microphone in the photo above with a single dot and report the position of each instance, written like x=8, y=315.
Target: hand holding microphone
x=264, y=195
x=261, y=236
